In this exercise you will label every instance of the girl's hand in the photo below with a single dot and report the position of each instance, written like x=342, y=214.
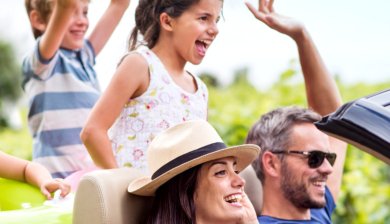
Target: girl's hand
x=53, y=185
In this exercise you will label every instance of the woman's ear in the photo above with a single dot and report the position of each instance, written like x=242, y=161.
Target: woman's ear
x=36, y=21
x=166, y=21
x=271, y=164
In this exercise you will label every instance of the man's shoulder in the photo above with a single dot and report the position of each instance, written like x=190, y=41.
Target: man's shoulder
x=273, y=220
x=268, y=219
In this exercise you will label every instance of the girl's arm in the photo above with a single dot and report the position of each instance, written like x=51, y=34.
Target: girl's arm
x=32, y=173
x=39, y=176
x=130, y=80
x=12, y=167
x=107, y=24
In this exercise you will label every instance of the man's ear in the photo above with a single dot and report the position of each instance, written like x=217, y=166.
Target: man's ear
x=166, y=21
x=271, y=164
x=36, y=21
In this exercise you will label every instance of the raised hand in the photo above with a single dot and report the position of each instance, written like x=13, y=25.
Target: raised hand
x=280, y=23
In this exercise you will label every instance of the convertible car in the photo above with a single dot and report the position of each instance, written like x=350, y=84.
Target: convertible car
x=364, y=123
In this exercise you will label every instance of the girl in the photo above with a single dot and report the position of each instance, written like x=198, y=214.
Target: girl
x=151, y=90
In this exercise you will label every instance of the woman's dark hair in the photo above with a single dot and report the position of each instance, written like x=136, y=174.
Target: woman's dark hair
x=147, y=18
x=174, y=200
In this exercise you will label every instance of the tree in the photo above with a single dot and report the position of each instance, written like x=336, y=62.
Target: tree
x=209, y=79
x=10, y=79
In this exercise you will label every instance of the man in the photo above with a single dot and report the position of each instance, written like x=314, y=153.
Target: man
x=297, y=167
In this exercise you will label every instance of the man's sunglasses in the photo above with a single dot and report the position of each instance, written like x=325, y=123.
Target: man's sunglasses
x=315, y=158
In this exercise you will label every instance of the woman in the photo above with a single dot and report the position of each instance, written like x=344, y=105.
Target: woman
x=194, y=177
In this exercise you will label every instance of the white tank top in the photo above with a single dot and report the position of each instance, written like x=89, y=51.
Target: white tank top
x=162, y=105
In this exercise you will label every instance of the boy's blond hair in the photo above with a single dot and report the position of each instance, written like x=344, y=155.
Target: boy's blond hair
x=43, y=8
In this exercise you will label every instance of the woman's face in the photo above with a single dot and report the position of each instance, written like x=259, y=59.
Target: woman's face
x=219, y=192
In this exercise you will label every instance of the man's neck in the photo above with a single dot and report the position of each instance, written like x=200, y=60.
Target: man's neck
x=277, y=206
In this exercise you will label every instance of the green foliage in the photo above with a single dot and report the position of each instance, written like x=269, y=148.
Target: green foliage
x=10, y=78
x=209, y=79
x=365, y=193
x=17, y=142
x=10, y=73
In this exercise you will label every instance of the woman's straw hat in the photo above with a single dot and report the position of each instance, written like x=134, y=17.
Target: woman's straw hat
x=182, y=147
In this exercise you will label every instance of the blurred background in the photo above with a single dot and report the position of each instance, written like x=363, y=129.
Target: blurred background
x=249, y=70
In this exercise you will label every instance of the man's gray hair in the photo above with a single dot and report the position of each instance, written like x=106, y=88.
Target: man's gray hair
x=272, y=131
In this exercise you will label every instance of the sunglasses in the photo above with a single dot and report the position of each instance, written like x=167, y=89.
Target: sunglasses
x=315, y=158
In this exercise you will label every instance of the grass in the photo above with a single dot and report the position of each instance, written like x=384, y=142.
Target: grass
x=17, y=142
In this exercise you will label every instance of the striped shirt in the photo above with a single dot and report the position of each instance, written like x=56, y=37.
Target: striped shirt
x=61, y=93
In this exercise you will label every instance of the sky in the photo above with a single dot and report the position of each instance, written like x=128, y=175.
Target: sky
x=353, y=37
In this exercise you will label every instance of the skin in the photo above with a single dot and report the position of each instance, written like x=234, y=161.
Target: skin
x=79, y=23
x=218, y=181
x=313, y=181
x=292, y=183
x=32, y=173
x=68, y=24
x=198, y=23
x=176, y=45
x=323, y=97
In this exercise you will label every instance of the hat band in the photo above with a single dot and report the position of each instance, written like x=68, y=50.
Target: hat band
x=188, y=156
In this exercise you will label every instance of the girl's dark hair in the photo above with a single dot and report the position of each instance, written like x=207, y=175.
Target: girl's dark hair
x=174, y=200
x=147, y=19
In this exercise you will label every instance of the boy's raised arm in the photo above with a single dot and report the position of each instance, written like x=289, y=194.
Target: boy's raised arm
x=56, y=28
x=107, y=24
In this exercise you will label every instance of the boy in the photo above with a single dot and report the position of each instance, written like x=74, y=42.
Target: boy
x=60, y=80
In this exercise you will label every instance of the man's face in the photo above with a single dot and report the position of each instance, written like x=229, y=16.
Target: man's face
x=301, y=185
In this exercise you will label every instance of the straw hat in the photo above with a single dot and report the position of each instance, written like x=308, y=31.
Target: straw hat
x=182, y=147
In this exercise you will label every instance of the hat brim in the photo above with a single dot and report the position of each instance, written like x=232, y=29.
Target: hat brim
x=245, y=154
